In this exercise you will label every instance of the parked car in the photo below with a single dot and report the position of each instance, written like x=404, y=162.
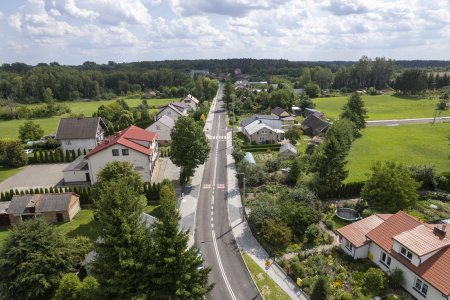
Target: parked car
x=28, y=151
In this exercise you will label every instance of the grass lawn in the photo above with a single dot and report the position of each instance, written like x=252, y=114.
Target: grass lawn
x=6, y=173
x=153, y=210
x=4, y=233
x=413, y=144
x=10, y=128
x=268, y=287
x=382, y=107
x=82, y=225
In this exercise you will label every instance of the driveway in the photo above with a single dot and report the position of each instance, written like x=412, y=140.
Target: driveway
x=165, y=169
x=33, y=176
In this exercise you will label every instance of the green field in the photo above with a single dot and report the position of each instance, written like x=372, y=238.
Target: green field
x=269, y=289
x=10, y=129
x=383, y=107
x=416, y=144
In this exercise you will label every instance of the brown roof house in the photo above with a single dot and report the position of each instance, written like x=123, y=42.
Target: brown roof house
x=399, y=241
x=52, y=207
x=80, y=133
x=286, y=118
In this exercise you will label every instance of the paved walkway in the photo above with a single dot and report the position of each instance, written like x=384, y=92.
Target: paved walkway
x=407, y=121
x=244, y=237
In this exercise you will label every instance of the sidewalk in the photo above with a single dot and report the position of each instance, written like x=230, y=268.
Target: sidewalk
x=243, y=235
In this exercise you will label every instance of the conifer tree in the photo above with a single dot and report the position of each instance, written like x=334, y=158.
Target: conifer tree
x=355, y=111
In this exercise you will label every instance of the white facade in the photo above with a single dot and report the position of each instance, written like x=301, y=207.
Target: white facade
x=163, y=132
x=356, y=253
x=75, y=144
x=72, y=176
x=171, y=112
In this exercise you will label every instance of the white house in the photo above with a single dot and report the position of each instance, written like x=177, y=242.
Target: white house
x=191, y=101
x=80, y=133
x=173, y=110
x=259, y=132
x=133, y=144
x=162, y=127
x=399, y=241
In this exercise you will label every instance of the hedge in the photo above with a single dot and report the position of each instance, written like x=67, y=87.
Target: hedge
x=352, y=189
x=275, y=146
x=164, y=152
x=54, y=156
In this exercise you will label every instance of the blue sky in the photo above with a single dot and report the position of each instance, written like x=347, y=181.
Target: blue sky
x=74, y=31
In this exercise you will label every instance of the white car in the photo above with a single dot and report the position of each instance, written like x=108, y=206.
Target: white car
x=28, y=151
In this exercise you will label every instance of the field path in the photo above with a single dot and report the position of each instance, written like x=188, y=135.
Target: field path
x=407, y=121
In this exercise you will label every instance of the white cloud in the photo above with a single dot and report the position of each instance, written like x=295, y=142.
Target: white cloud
x=15, y=21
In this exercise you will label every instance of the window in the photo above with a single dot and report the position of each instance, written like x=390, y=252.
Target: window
x=157, y=127
x=385, y=259
x=348, y=245
x=125, y=152
x=115, y=152
x=264, y=131
x=406, y=253
x=421, y=287
x=68, y=142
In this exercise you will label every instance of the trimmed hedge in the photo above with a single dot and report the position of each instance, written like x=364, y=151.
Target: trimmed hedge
x=164, y=152
x=54, y=156
x=352, y=189
x=261, y=148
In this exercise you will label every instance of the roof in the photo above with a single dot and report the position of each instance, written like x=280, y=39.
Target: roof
x=190, y=97
x=41, y=202
x=422, y=240
x=4, y=206
x=278, y=111
x=78, y=128
x=78, y=164
x=288, y=147
x=257, y=125
x=22, y=203
x=177, y=107
x=148, y=219
x=356, y=232
x=125, y=138
x=252, y=118
x=315, y=123
x=166, y=120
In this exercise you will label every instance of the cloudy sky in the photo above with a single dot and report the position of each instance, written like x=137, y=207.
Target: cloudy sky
x=74, y=31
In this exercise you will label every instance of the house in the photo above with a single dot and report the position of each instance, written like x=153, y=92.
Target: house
x=173, y=110
x=287, y=150
x=80, y=133
x=193, y=73
x=311, y=111
x=285, y=117
x=60, y=207
x=133, y=144
x=191, y=101
x=399, y=241
x=4, y=218
x=313, y=125
x=299, y=91
x=259, y=132
x=296, y=110
x=162, y=127
x=272, y=121
x=77, y=171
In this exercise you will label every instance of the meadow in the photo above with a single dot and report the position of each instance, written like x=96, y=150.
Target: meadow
x=383, y=107
x=10, y=128
x=412, y=144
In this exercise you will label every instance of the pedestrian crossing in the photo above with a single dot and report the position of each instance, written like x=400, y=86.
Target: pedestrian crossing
x=217, y=137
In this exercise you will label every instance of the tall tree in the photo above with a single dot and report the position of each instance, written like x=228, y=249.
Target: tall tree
x=30, y=131
x=355, y=111
x=321, y=289
x=190, y=147
x=390, y=187
x=227, y=92
x=12, y=153
x=179, y=271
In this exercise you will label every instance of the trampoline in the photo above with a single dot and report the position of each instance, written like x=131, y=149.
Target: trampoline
x=347, y=214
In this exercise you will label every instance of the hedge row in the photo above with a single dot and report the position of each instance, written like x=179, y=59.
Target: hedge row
x=275, y=146
x=352, y=189
x=55, y=156
x=151, y=191
x=164, y=152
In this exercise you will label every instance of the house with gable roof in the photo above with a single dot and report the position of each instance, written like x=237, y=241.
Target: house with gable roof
x=399, y=241
x=191, y=101
x=173, y=110
x=80, y=133
x=163, y=127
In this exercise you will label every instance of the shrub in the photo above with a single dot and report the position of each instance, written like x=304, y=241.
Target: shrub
x=374, y=281
x=313, y=233
x=276, y=234
x=396, y=279
x=330, y=224
x=273, y=165
x=321, y=289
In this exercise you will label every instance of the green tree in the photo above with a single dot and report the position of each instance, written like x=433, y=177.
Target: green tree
x=30, y=131
x=118, y=266
x=374, y=281
x=390, y=188
x=321, y=289
x=72, y=288
x=305, y=102
x=355, y=111
x=293, y=134
x=33, y=259
x=277, y=235
x=283, y=97
x=12, y=153
x=312, y=90
x=190, y=147
x=178, y=269
x=227, y=92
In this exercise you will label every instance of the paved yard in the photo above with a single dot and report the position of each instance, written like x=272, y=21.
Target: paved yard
x=45, y=175
x=165, y=169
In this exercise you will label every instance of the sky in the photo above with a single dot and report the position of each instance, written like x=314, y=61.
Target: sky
x=75, y=31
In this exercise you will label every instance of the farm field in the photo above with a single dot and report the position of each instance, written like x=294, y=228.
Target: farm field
x=416, y=144
x=10, y=128
x=382, y=107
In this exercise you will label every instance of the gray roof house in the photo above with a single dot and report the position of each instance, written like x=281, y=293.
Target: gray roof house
x=173, y=110
x=163, y=127
x=80, y=133
x=272, y=121
x=259, y=132
x=313, y=125
x=287, y=150
x=191, y=101
x=312, y=111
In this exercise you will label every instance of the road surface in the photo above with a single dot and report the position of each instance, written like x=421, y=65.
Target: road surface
x=213, y=234
x=407, y=121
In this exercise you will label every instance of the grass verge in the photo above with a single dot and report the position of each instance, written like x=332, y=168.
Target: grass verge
x=269, y=289
x=6, y=173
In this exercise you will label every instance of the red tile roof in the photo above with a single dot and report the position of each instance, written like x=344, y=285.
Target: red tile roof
x=356, y=232
x=394, y=225
x=125, y=138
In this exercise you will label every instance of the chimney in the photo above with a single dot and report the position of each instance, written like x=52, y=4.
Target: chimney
x=440, y=229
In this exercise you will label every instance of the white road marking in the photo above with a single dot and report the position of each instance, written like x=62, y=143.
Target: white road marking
x=221, y=267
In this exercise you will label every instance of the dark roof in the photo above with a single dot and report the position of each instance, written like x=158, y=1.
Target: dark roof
x=4, y=206
x=22, y=203
x=278, y=111
x=315, y=123
x=78, y=128
x=42, y=202
x=265, y=118
x=78, y=164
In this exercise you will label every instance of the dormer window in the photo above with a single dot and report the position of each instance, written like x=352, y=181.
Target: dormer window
x=406, y=253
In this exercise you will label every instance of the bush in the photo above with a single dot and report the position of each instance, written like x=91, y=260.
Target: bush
x=321, y=289
x=273, y=165
x=374, y=281
x=313, y=233
x=396, y=279
x=330, y=224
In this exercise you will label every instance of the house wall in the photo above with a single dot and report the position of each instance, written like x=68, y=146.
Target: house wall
x=415, y=259
x=168, y=111
x=260, y=138
x=13, y=219
x=74, y=208
x=76, y=144
x=163, y=132
x=140, y=161
x=408, y=275
x=343, y=242
x=75, y=176
x=192, y=104
x=362, y=252
x=287, y=122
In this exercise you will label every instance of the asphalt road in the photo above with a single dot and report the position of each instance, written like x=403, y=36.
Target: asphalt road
x=407, y=121
x=213, y=233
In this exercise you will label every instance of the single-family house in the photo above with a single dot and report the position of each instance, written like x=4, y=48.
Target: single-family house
x=286, y=118
x=173, y=110
x=60, y=207
x=4, y=218
x=399, y=241
x=259, y=132
x=191, y=101
x=80, y=133
x=272, y=121
x=313, y=125
x=287, y=150
x=312, y=111
x=133, y=144
x=162, y=127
